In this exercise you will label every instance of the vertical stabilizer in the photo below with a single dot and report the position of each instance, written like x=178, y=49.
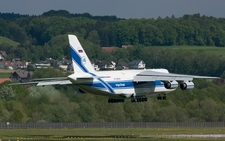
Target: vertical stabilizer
x=81, y=62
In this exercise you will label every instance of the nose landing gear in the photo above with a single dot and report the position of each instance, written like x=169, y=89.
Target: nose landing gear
x=164, y=97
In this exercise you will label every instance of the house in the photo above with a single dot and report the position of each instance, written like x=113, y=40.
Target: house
x=16, y=59
x=38, y=66
x=137, y=64
x=2, y=55
x=1, y=65
x=21, y=64
x=20, y=76
x=64, y=64
x=123, y=65
x=63, y=67
x=109, y=49
x=112, y=66
x=104, y=66
x=70, y=67
x=9, y=65
x=127, y=46
x=95, y=67
x=13, y=65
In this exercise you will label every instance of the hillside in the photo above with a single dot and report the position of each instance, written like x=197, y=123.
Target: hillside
x=44, y=36
x=8, y=41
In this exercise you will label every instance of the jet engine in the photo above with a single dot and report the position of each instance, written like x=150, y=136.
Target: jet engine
x=170, y=84
x=186, y=85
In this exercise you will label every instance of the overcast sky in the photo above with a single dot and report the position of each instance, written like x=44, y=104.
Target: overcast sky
x=120, y=8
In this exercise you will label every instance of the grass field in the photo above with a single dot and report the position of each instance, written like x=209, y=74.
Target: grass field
x=5, y=73
x=209, y=49
x=108, y=134
x=8, y=41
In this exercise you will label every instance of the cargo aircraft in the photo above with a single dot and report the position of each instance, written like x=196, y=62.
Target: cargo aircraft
x=119, y=85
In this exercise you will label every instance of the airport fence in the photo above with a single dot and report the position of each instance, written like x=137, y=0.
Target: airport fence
x=9, y=125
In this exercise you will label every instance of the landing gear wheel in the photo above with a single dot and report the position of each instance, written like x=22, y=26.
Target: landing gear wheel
x=139, y=99
x=112, y=100
x=159, y=97
x=134, y=99
x=164, y=97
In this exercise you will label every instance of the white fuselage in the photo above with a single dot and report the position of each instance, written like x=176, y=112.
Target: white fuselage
x=110, y=83
x=120, y=82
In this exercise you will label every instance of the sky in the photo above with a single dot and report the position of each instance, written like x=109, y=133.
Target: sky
x=120, y=8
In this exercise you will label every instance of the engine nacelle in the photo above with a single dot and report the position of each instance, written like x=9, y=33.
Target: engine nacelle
x=170, y=84
x=186, y=85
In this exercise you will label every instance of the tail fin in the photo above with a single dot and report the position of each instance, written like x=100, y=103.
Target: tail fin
x=81, y=62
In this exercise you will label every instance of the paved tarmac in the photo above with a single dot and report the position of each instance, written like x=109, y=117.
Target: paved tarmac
x=197, y=136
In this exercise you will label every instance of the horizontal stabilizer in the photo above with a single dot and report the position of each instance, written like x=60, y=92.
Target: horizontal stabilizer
x=62, y=82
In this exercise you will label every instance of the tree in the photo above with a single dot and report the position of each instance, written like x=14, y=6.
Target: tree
x=93, y=37
x=30, y=67
x=6, y=92
x=87, y=112
x=149, y=112
x=17, y=116
x=47, y=73
x=166, y=114
x=133, y=112
x=3, y=28
x=17, y=33
x=209, y=110
x=194, y=111
x=4, y=113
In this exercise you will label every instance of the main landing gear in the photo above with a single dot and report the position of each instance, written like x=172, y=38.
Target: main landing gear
x=133, y=99
x=164, y=97
x=112, y=100
x=139, y=99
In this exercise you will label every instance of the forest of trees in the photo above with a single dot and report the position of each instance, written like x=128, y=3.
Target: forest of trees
x=61, y=104
x=45, y=36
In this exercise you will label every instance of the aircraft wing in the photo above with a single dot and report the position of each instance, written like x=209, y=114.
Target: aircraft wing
x=153, y=75
x=57, y=80
x=46, y=81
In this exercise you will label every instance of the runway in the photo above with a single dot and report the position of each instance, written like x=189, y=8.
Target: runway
x=191, y=136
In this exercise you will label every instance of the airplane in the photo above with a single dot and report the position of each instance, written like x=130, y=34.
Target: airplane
x=119, y=85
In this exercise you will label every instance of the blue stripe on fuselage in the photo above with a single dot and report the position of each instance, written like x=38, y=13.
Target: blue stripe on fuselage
x=77, y=58
x=159, y=83
x=117, y=84
x=128, y=84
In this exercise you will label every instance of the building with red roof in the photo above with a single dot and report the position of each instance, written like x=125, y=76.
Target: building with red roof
x=4, y=79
